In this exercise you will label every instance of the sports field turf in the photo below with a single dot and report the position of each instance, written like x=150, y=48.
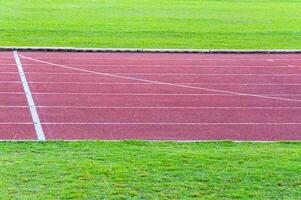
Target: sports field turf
x=206, y=24
x=147, y=170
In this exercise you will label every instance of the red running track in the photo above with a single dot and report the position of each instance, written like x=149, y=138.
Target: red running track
x=153, y=96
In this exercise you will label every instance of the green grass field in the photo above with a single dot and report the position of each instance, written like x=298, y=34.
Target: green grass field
x=148, y=170
x=200, y=24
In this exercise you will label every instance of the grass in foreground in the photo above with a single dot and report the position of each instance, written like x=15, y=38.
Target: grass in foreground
x=206, y=24
x=147, y=170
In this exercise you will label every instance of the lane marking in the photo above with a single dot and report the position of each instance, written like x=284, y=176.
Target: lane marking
x=135, y=83
x=161, y=107
x=162, y=83
x=163, y=123
x=14, y=82
x=134, y=94
x=146, y=123
x=31, y=104
x=13, y=93
x=144, y=94
x=167, y=65
x=15, y=123
x=150, y=74
x=11, y=106
x=164, y=59
x=152, y=107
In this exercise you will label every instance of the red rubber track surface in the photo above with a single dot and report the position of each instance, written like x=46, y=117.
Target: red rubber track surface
x=153, y=96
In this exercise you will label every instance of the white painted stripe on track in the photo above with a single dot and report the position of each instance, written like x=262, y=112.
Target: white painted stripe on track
x=14, y=123
x=10, y=106
x=165, y=59
x=163, y=83
x=132, y=94
x=161, y=107
x=135, y=83
x=144, y=94
x=164, y=123
x=14, y=82
x=13, y=93
x=150, y=74
x=168, y=65
x=31, y=104
x=149, y=107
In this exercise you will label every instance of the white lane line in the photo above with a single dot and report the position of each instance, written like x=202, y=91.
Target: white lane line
x=14, y=123
x=10, y=106
x=163, y=59
x=154, y=107
x=11, y=82
x=162, y=107
x=162, y=83
x=135, y=83
x=134, y=94
x=13, y=93
x=31, y=104
x=167, y=65
x=149, y=74
x=144, y=94
x=164, y=123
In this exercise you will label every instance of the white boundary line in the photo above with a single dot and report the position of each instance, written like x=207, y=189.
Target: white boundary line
x=153, y=107
x=165, y=123
x=14, y=123
x=135, y=94
x=168, y=65
x=279, y=141
x=135, y=83
x=148, y=50
x=11, y=82
x=150, y=74
x=163, y=83
x=31, y=104
x=163, y=59
x=142, y=94
x=164, y=107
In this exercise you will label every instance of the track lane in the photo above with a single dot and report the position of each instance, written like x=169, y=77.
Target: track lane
x=164, y=70
x=291, y=79
x=146, y=88
x=251, y=132
x=160, y=101
x=132, y=123
x=198, y=62
x=169, y=115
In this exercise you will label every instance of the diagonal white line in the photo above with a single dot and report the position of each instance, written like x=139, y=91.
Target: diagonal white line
x=159, y=82
x=31, y=104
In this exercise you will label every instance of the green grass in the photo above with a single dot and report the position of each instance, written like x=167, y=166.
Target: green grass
x=146, y=170
x=201, y=24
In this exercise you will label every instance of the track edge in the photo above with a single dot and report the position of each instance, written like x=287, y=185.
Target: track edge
x=142, y=50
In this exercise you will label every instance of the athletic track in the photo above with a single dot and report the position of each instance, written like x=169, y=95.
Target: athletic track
x=153, y=96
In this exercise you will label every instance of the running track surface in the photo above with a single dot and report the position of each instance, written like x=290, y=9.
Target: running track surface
x=153, y=96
